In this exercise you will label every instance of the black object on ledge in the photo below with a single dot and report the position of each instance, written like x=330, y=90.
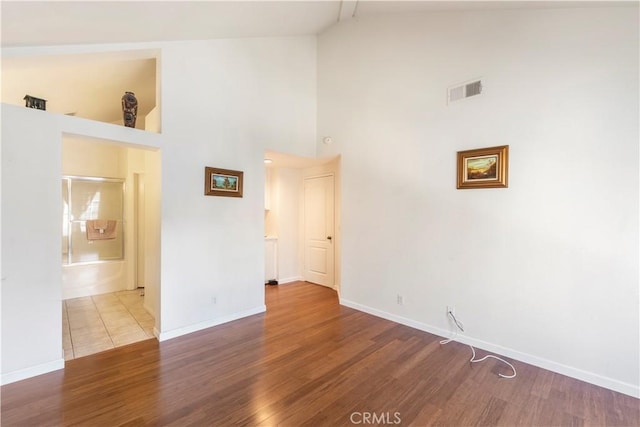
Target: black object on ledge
x=33, y=102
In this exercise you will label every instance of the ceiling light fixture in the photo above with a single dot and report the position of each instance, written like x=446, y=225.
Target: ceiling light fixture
x=268, y=161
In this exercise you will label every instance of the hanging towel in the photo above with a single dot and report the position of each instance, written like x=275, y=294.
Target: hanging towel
x=101, y=229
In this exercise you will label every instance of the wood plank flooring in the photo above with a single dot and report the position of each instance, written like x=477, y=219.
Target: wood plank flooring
x=306, y=362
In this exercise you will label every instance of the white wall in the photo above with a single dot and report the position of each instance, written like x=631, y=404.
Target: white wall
x=31, y=219
x=145, y=163
x=224, y=101
x=86, y=157
x=153, y=218
x=545, y=271
x=31, y=267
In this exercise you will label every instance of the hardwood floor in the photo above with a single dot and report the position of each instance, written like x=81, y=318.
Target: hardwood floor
x=307, y=362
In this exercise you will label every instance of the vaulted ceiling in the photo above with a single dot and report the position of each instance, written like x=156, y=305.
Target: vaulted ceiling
x=80, y=22
x=91, y=85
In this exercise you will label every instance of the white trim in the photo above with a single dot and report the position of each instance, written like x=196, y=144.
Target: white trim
x=291, y=280
x=32, y=371
x=394, y=318
x=579, y=374
x=174, y=333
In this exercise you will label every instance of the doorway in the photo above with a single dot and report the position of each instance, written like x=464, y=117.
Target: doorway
x=307, y=242
x=97, y=323
x=109, y=300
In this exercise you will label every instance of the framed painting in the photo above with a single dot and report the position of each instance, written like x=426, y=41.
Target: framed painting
x=222, y=182
x=483, y=167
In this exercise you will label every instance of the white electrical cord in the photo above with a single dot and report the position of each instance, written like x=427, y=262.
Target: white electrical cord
x=473, y=359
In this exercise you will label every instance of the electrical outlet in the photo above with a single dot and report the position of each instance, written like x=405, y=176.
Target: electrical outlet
x=451, y=309
x=400, y=300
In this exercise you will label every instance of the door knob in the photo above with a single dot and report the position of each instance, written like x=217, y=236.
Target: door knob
x=329, y=237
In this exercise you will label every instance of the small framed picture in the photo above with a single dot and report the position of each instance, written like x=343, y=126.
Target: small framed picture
x=222, y=182
x=483, y=167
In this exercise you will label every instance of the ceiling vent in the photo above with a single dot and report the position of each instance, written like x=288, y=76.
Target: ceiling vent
x=464, y=90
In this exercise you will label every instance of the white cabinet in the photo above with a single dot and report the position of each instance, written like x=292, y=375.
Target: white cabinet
x=270, y=259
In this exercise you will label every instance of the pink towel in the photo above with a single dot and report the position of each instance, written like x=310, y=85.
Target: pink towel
x=101, y=229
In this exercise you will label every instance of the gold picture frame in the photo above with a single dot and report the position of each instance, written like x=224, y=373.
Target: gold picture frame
x=484, y=168
x=222, y=182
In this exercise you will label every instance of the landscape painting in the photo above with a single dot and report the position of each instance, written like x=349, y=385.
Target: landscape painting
x=483, y=167
x=222, y=182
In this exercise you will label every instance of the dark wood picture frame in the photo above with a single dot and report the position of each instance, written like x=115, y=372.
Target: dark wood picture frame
x=222, y=182
x=483, y=168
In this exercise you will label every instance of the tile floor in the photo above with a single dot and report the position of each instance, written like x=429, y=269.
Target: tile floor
x=101, y=322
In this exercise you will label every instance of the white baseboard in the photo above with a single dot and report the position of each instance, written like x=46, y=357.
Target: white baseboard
x=290, y=280
x=174, y=333
x=589, y=377
x=32, y=371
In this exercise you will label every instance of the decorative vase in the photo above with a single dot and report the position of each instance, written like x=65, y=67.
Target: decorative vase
x=129, y=109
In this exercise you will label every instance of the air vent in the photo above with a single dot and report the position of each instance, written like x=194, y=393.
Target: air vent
x=464, y=90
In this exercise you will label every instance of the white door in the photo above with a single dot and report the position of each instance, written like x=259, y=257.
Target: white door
x=318, y=230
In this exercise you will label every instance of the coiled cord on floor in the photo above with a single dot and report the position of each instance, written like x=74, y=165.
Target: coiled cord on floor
x=473, y=359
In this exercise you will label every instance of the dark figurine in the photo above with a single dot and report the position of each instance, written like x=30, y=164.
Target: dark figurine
x=129, y=109
x=33, y=102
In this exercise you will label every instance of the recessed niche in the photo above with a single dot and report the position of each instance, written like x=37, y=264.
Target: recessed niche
x=90, y=86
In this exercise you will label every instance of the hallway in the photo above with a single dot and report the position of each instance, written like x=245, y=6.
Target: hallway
x=102, y=322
